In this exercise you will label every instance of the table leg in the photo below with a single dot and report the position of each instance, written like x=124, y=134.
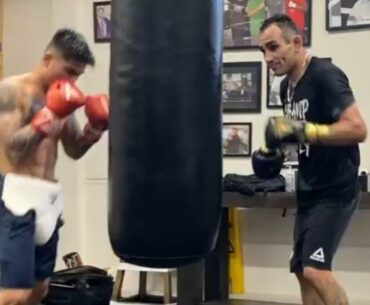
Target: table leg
x=216, y=267
x=190, y=284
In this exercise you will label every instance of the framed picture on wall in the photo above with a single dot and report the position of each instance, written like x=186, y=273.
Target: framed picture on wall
x=291, y=155
x=243, y=19
x=241, y=87
x=237, y=139
x=273, y=88
x=102, y=21
x=345, y=15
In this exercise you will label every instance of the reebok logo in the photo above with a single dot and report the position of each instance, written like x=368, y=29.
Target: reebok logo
x=318, y=255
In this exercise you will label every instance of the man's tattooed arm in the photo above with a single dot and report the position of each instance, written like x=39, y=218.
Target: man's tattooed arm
x=18, y=137
x=77, y=142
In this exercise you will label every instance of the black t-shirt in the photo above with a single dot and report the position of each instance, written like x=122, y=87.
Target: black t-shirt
x=321, y=95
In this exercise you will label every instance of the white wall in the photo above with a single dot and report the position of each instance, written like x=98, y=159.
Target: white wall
x=266, y=236
x=26, y=32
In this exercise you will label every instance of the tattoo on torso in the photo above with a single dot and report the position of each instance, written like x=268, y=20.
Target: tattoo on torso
x=7, y=105
x=7, y=99
x=12, y=97
x=23, y=144
x=36, y=106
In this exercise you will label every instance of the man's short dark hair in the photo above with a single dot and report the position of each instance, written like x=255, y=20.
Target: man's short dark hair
x=72, y=46
x=284, y=22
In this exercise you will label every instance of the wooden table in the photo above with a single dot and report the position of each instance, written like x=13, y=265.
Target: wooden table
x=208, y=280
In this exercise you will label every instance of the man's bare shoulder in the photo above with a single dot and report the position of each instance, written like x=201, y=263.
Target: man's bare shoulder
x=13, y=90
x=14, y=81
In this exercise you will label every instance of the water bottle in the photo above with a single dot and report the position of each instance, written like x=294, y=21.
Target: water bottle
x=290, y=179
x=363, y=181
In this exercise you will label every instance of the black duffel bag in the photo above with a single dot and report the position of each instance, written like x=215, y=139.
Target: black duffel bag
x=82, y=285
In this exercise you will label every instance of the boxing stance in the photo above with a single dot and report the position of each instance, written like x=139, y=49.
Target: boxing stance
x=322, y=118
x=36, y=113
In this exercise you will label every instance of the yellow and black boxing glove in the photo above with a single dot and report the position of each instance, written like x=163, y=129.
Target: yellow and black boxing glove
x=268, y=151
x=283, y=130
x=267, y=162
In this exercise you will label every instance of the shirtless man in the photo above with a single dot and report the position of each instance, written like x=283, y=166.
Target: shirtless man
x=36, y=111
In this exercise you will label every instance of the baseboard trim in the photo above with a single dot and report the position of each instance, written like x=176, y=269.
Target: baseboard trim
x=267, y=297
x=289, y=299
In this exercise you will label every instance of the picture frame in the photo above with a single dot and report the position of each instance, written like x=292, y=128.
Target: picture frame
x=237, y=139
x=241, y=87
x=347, y=15
x=102, y=21
x=273, y=82
x=241, y=29
x=291, y=152
x=273, y=100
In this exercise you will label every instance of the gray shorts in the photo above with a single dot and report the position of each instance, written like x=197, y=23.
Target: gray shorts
x=318, y=231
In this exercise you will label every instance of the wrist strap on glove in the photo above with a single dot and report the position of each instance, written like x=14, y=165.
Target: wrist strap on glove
x=316, y=132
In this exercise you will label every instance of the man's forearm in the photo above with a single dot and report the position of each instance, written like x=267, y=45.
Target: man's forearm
x=22, y=144
x=344, y=133
x=256, y=10
x=79, y=148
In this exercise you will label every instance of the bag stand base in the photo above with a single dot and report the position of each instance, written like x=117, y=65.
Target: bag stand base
x=142, y=296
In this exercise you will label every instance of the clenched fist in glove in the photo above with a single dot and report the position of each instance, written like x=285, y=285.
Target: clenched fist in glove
x=97, y=112
x=63, y=97
x=283, y=130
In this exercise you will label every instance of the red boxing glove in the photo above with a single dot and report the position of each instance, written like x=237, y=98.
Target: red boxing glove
x=62, y=98
x=47, y=123
x=97, y=111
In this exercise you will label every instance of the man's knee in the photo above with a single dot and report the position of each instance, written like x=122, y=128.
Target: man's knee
x=317, y=276
x=305, y=284
x=15, y=296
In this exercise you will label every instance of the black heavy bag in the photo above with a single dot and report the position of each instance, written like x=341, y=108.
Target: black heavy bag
x=165, y=155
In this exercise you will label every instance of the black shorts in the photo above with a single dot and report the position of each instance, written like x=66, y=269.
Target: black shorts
x=318, y=231
x=22, y=262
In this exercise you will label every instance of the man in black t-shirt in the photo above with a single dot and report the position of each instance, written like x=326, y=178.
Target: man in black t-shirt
x=321, y=116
